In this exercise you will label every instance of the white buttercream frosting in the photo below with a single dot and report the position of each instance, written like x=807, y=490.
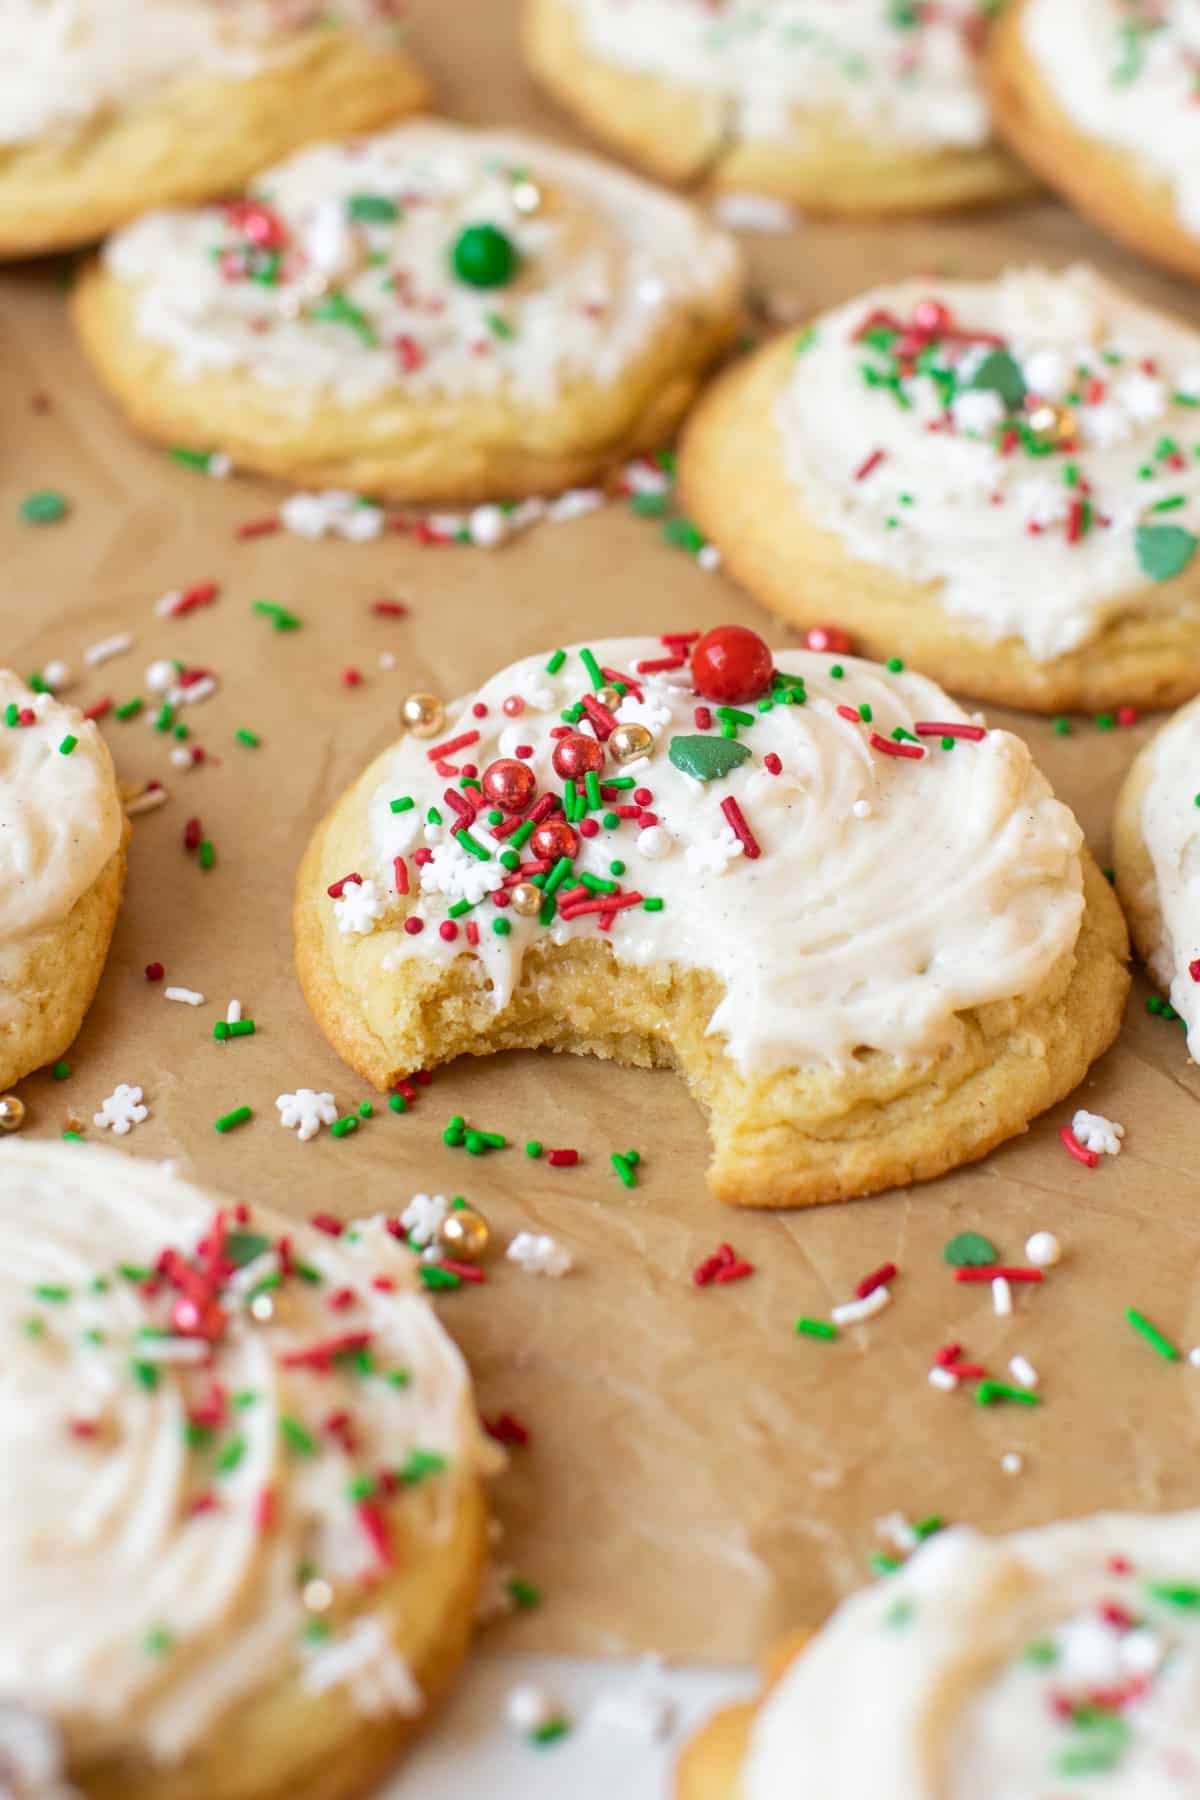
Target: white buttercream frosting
x=1170, y=826
x=63, y=62
x=1027, y=531
x=60, y=816
x=1060, y=1661
x=891, y=892
x=177, y=1519
x=603, y=264
x=1128, y=77
x=781, y=66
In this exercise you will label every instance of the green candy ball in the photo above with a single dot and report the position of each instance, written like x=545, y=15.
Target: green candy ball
x=484, y=256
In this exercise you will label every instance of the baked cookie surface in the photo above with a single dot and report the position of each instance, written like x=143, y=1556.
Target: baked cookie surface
x=450, y=315
x=1156, y=851
x=855, y=106
x=1107, y=114
x=996, y=479
x=100, y=121
x=1064, y=1659
x=673, y=881
x=241, y=1531
x=62, y=870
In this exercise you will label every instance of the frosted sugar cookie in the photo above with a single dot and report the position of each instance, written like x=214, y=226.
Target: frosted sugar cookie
x=1059, y=1660
x=102, y=117
x=241, y=1525
x=1156, y=848
x=434, y=314
x=62, y=869
x=839, y=105
x=856, y=921
x=998, y=479
x=1102, y=102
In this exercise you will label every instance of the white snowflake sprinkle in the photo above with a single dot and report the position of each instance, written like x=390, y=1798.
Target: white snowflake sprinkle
x=978, y=410
x=333, y=513
x=1047, y=374
x=305, y=1111
x=1142, y=397
x=538, y=1254
x=713, y=854
x=122, y=1110
x=422, y=1217
x=360, y=908
x=1095, y=1132
x=452, y=871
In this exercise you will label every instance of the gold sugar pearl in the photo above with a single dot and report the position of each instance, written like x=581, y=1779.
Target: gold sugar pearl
x=1055, y=423
x=608, y=697
x=526, y=900
x=424, y=714
x=464, y=1233
x=12, y=1112
x=630, y=741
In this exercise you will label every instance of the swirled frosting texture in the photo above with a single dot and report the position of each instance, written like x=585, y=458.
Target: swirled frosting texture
x=896, y=73
x=1026, y=455
x=1129, y=79
x=1059, y=1661
x=156, y=1500
x=891, y=892
x=1170, y=823
x=63, y=62
x=60, y=817
x=363, y=297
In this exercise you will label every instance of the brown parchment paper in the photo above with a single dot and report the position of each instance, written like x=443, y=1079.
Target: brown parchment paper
x=699, y=1478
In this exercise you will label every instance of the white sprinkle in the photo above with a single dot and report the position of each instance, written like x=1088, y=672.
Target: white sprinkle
x=182, y=758
x=161, y=675
x=1001, y=1297
x=645, y=478
x=1043, y=1250
x=165, y=606
x=529, y=1707
x=1012, y=1462
x=942, y=1378
x=1095, y=1132
x=855, y=1311
x=195, y=690
x=1194, y=1357
x=576, y=503
x=173, y=1349
x=107, y=648
x=708, y=558
x=220, y=466
x=744, y=211
x=539, y=1254
x=1023, y=1372
x=1141, y=1651
x=233, y=1012
x=387, y=659
x=186, y=996
x=144, y=803
x=488, y=526
x=56, y=674
x=862, y=809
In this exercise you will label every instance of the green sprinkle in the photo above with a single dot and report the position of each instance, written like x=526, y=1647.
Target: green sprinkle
x=438, y=1279
x=206, y=853
x=68, y=744
x=625, y=1170
x=989, y=1392
x=836, y=671
x=1062, y=727
x=403, y=804
x=591, y=784
x=1182, y=1594
x=221, y=1030
x=228, y=1121
x=556, y=662
x=371, y=209
x=1153, y=1337
x=533, y=1148
x=653, y=904
x=1105, y=722
x=595, y=673
x=157, y=1641
x=189, y=459
x=1041, y=1654
x=60, y=1071
x=129, y=709
x=735, y=715
x=343, y=1127
x=249, y=738
x=336, y=309
x=365, y=1109
x=894, y=665
x=281, y=619
x=550, y=1732
x=195, y=1435
x=12, y=714
x=164, y=718
x=472, y=845
x=242, y=1028
x=501, y=927
x=681, y=534
x=970, y=1250
x=649, y=506
x=879, y=1564
x=419, y=1465
x=51, y=1292
x=525, y=1595
x=817, y=1328
x=145, y=1374
x=230, y=1456
x=1172, y=504
x=499, y=326
x=398, y=1103
x=46, y=506
x=900, y=1614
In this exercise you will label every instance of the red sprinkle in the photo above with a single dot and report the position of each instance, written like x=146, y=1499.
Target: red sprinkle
x=154, y=971
x=660, y=664
x=506, y=1429
x=351, y=677
x=702, y=717
x=373, y=1520
x=1089, y=1158
x=869, y=464
x=264, y=1509
x=772, y=764
x=734, y=1271
x=451, y=745
x=890, y=747
x=98, y=708
x=389, y=609
x=876, y=1279
x=562, y=1159
x=997, y=1273
x=948, y=1354
x=400, y=872
x=329, y=1223
x=254, y=528
x=413, y=925
x=322, y=1355
x=334, y=890
x=934, y=728
x=745, y=837
x=193, y=831
x=464, y=1271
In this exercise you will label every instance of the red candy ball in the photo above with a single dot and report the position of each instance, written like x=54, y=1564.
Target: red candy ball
x=830, y=638
x=731, y=664
x=930, y=316
x=508, y=784
x=575, y=755
x=555, y=838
